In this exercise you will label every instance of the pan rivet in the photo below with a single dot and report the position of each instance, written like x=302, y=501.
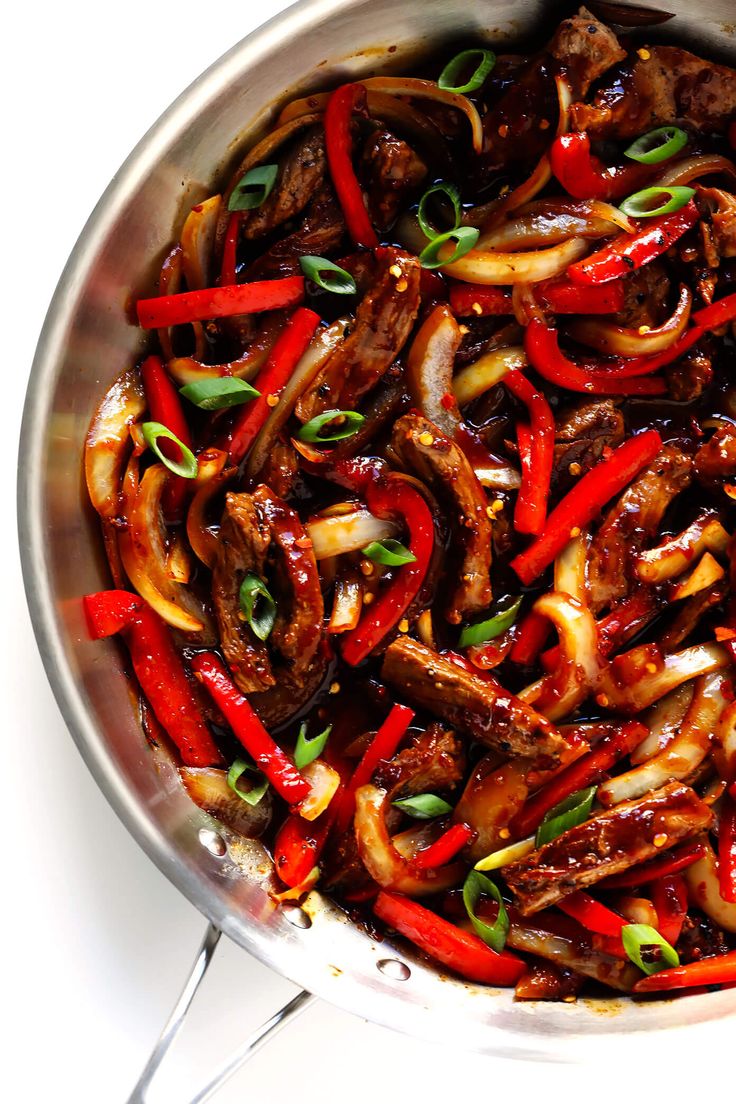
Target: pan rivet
x=296, y=916
x=394, y=969
x=213, y=841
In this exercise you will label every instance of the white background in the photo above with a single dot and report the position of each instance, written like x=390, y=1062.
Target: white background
x=96, y=943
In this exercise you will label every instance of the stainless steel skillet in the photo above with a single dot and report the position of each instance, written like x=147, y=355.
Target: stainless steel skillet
x=87, y=340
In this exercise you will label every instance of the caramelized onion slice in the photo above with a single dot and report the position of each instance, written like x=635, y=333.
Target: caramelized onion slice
x=197, y=242
x=576, y=674
x=627, y=342
x=208, y=788
x=725, y=734
x=108, y=442
x=554, y=222
x=630, y=696
x=199, y=534
x=663, y=721
x=346, y=604
x=428, y=90
x=704, y=890
x=429, y=369
x=692, y=168
x=705, y=573
x=675, y=554
x=478, y=267
x=570, y=570
x=189, y=370
x=484, y=373
x=336, y=534
x=324, y=781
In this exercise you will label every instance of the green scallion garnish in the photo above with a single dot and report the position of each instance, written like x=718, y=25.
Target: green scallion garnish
x=333, y=425
x=423, y=806
x=568, y=814
x=652, y=202
x=495, y=934
x=460, y=64
x=253, y=189
x=153, y=432
x=483, y=631
x=259, y=782
x=258, y=605
x=647, y=949
x=217, y=394
x=390, y=552
x=448, y=190
x=464, y=237
x=328, y=276
x=306, y=749
x=657, y=145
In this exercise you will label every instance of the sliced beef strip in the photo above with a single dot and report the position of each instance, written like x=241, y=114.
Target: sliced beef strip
x=586, y=48
x=665, y=86
x=300, y=175
x=383, y=322
x=321, y=233
x=480, y=707
x=646, y=297
x=392, y=172
x=630, y=522
x=583, y=432
x=291, y=694
x=434, y=762
x=688, y=377
x=700, y=938
x=715, y=461
x=438, y=462
x=721, y=206
x=607, y=844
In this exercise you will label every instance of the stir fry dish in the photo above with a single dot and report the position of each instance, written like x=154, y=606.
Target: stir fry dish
x=419, y=510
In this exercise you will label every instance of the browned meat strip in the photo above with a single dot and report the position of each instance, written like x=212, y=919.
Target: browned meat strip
x=635, y=518
x=478, y=706
x=700, y=938
x=687, y=378
x=434, y=762
x=722, y=208
x=607, y=844
x=383, y=322
x=667, y=85
x=261, y=534
x=321, y=232
x=291, y=694
x=646, y=297
x=715, y=461
x=392, y=171
x=300, y=175
x=583, y=432
x=691, y=611
x=586, y=48
x=425, y=450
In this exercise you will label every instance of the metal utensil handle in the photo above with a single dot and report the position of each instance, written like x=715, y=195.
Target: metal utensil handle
x=177, y=1018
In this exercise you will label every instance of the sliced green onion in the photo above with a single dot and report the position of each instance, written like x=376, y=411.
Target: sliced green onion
x=260, y=782
x=490, y=629
x=568, y=814
x=506, y=855
x=464, y=237
x=253, y=189
x=452, y=194
x=647, y=949
x=640, y=204
x=493, y=934
x=390, y=552
x=423, y=806
x=347, y=422
x=339, y=281
x=460, y=63
x=187, y=466
x=216, y=394
x=657, y=145
x=258, y=605
x=307, y=750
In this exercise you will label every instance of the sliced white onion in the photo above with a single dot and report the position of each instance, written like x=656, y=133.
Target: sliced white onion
x=706, y=572
x=346, y=604
x=477, y=267
x=485, y=372
x=663, y=721
x=428, y=90
x=197, y=242
x=674, y=669
x=675, y=554
x=704, y=890
x=324, y=781
x=624, y=341
x=683, y=172
x=429, y=368
x=189, y=370
x=576, y=674
x=208, y=788
x=570, y=569
x=340, y=533
x=199, y=534
x=493, y=795
x=725, y=734
x=108, y=442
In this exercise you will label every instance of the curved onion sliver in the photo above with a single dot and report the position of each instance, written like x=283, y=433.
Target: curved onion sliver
x=339, y=533
x=705, y=573
x=576, y=674
x=203, y=541
x=525, y=935
x=663, y=721
x=197, y=242
x=674, y=669
x=324, y=781
x=704, y=890
x=725, y=734
x=682, y=755
x=683, y=172
x=144, y=555
x=637, y=910
x=429, y=368
x=491, y=799
x=478, y=267
x=570, y=574
x=415, y=839
x=210, y=462
x=675, y=554
x=208, y=788
x=319, y=349
x=383, y=861
x=428, y=90
x=178, y=562
x=625, y=341
x=549, y=222
x=170, y=283
x=188, y=370
x=108, y=442
x=485, y=372
x=346, y=604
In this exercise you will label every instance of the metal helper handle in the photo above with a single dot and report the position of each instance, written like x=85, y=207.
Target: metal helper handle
x=177, y=1018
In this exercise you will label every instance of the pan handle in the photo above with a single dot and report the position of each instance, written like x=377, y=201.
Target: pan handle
x=177, y=1018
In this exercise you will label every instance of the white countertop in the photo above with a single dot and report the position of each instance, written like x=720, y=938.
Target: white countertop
x=96, y=943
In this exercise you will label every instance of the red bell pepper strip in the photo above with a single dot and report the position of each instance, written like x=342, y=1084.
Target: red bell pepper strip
x=718, y=970
x=245, y=723
x=594, y=916
x=671, y=863
x=165, y=407
x=558, y=296
x=222, y=302
x=531, y=638
x=585, y=771
x=543, y=350
x=228, y=270
x=631, y=251
x=341, y=105
x=159, y=669
x=669, y=897
x=286, y=353
x=584, y=176
x=443, y=849
x=460, y=951
x=581, y=504
x=390, y=497
x=299, y=844
x=717, y=314
x=531, y=504
x=727, y=849
x=382, y=746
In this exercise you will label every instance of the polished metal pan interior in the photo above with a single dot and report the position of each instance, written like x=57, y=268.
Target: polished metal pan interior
x=87, y=341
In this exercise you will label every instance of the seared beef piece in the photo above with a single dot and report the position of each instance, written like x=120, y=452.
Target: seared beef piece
x=546, y=981
x=382, y=407
x=607, y=844
x=291, y=692
x=481, y=707
x=300, y=175
x=257, y=529
x=583, y=432
x=281, y=469
x=669, y=85
x=586, y=48
x=700, y=938
x=321, y=232
x=435, y=761
x=688, y=377
x=715, y=461
x=448, y=473
x=627, y=526
x=391, y=171
x=383, y=322
x=722, y=221
x=689, y=614
x=646, y=297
